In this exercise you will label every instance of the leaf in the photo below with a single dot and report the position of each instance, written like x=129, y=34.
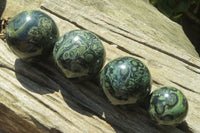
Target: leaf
x=171, y=3
x=154, y=2
x=178, y=16
x=182, y=6
x=197, y=6
x=165, y=8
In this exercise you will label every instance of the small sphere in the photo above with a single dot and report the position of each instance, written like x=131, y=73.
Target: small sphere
x=126, y=80
x=31, y=33
x=168, y=106
x=79, y=54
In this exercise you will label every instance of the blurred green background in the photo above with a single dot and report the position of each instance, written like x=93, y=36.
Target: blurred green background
x=184, y=12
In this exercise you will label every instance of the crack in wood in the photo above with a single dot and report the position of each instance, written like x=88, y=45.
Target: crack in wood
x=32, y=78
x=157, y=83
x=43, y=127
x=111, y=43
x=86, y=104
x=117, y=27
x=50, y=108
x=188, y=67
x=78, y=102
x=140, y=42
x=86, y=108
x=122, y=48
x=81, y=27
x=6, y=67
x=13, y=119
x=158, y=49
x=61, y=17
x=186, y=88
x=81, y=97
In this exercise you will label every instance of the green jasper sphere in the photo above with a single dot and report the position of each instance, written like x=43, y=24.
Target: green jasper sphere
x=168, y=106
x=79, y=54
x=31, y=33
x=126, y=80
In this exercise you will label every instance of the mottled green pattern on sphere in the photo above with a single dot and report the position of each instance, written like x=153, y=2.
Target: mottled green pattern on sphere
x=126, y=80
x=31, y=33
x=168, y=106
x=79, y=54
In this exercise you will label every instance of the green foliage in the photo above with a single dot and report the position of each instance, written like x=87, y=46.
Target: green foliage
x=174, y=9
x=197, y=3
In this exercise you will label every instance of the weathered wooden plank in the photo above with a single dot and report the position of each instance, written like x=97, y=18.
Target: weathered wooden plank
x=167, y=68
x=41, y=99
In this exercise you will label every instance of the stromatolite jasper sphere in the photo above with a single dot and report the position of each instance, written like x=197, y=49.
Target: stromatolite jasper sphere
x=31, y=33
x=79, y=54
x=168, y=106
x=125, y=80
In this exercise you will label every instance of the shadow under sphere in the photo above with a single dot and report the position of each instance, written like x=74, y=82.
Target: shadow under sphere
x=2, y=6
x=33, y=77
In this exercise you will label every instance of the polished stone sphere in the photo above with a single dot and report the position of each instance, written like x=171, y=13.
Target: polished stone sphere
x=31, y=33
x=79, y=54
x=125, y=80
x=168, y=106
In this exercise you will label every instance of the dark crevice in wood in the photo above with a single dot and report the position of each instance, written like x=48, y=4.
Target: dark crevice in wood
x=157, y=83
x=87, y=105
x=192, y=70
x=121, y=48
x=184, y=127
x=150, y=46
x=110, y=116
x=81, y=27
x=82, y=99
x=6, y=67
x=63, y=18
x=42, y=127
x=2, y=131
x=76, y=95
x=111, y=43
x=13, y=123
x=93, y=111
x=8, y=94
x=117, y=27
x=48, y=107
x=50, y=98
x=44, y=104
x=161, y=50
x=184, y=87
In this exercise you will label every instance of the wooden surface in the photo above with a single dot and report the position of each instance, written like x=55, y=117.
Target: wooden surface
x=35, y=98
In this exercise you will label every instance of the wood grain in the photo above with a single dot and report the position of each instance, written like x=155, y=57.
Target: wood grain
x=37, y=98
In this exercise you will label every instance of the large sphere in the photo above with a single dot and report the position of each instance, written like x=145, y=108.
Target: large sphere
x=126, y=80
x=31, y=33
x=79, y=54
x=168, y=106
